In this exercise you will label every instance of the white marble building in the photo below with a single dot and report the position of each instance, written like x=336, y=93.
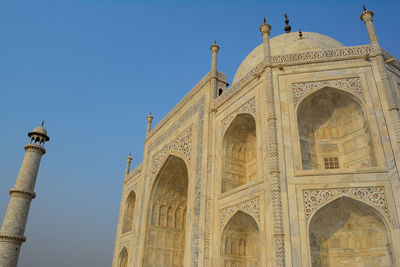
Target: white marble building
x=295, y=164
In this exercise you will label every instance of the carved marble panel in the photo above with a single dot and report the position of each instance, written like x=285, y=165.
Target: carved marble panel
x=301, y=89
x=182, y=143
x=374, y=195
x=251, y=207
x=248, y=107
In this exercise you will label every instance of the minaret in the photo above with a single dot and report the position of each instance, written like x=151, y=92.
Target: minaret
x=366, y=17
x=149, y=120
x=214, y=52
x=13, y=228
x=273, y=155
x=128, y=164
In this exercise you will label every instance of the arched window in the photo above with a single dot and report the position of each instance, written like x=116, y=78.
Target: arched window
x=239, y=152
x=165, y=236
x=123, y=258
x=129, y=210
x=334, y=132
x=347, y=232
x=240, y=244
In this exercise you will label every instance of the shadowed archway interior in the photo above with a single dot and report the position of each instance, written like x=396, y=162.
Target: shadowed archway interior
x=349, y=233
x=239, y=153
x=165, y=237
x=128, y=217
x=334, y=132
x=240, y=244
x=123, y=258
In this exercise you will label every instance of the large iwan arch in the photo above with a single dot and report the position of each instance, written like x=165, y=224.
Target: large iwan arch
x=346, y=233
x=165, y=234
x=334, y=132
x=240, y=242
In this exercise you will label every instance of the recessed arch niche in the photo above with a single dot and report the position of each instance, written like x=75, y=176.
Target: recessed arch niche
x=127, y=224
x=123, y=258
x=240, y=242
x=239, y=158
x=346, y=233
x=165, y=236
x=334, y=131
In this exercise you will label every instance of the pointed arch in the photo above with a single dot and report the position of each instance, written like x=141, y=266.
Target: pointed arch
x=123, y=258
x=165, y=233
x=347, y=231
x=240, y=241
x=127, y=224
x=333, y=131
x=239, y=157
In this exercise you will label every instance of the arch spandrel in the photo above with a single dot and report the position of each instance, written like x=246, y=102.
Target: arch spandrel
x=251, y=207
x=181, y=147
x=302, y=90
x=374, y=196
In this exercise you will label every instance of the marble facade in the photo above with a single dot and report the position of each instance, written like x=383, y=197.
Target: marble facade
x=295, y=164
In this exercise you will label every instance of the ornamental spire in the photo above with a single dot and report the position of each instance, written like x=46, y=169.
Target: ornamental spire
x=287, y=28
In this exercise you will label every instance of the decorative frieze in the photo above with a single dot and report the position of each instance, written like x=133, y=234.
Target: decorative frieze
x=182, y=143
x=248, y=107
x=251, y=207
x=301, y=89
x=335, y=53
x=375, y=195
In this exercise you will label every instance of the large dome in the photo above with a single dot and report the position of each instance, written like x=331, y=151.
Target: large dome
x=287, y=43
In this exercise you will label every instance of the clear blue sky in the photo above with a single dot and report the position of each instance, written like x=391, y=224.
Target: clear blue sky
x=93, y=70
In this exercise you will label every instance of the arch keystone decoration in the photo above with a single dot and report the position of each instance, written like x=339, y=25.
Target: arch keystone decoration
x=302, y=89
x=373, y=195
x=252, y=207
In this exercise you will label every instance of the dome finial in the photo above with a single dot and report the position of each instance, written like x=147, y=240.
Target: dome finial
x=287, y=28
x=300, y=34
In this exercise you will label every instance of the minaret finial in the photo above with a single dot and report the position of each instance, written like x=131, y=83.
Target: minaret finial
x=129, y=154
x=287, y=27
x=265, y=20
x=215, y=41
x=364, y=8
x=42, y=123
x=300, y=34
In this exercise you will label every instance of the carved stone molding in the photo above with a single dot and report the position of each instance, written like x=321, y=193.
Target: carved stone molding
x=15, y=239
x=182, y=143
x=342, y=52
x=374, y=195
x=251, y=207
x=22, y=193
x=302, y=89
x=248, y=107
